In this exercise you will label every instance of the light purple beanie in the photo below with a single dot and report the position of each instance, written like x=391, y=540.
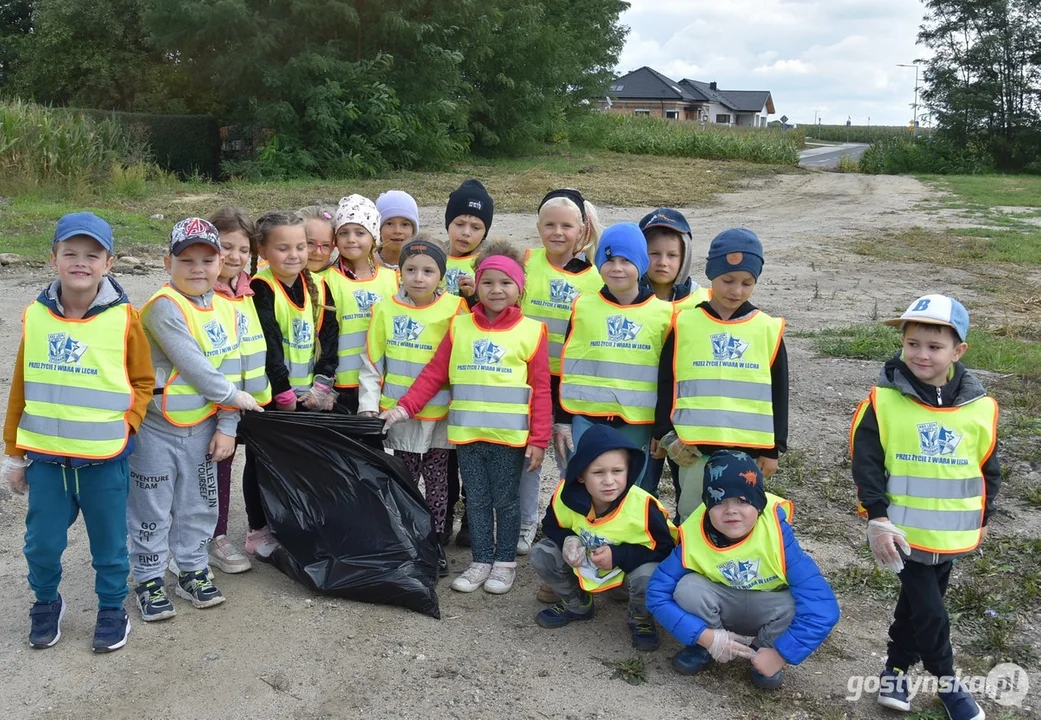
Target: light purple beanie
x=398, y=203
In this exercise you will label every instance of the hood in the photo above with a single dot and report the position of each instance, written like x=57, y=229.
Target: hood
x=403, y=297
x=646, y=292
x=962, y=388
x=679, y=291
x=110, y=293
x=242, y=288
x=594, y=442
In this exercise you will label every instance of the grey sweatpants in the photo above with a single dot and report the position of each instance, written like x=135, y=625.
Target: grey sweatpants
x=761, y=614
x=554, y=571
x=172, y=507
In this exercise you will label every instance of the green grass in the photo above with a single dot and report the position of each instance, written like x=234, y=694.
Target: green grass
x=632, y=670
x=991, y=190
x=866, y=579
x=1012, y=242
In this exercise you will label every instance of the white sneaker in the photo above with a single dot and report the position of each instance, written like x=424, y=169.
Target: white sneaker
x=472, y=578
x=527, y=538
x=226, y=556
x=501, y=578
x=176, y=572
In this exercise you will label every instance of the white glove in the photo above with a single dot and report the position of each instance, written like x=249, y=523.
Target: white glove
x=574, y=551
x=14, y=473
x=321, y=396
x=563, y=444
x=887, y=541
x=393, y=416
x=242, y=400
x=727, y=646
x=682, y=454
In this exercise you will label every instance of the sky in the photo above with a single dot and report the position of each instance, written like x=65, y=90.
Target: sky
x=835, y=58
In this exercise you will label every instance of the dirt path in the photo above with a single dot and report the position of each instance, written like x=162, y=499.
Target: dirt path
x=273, y=650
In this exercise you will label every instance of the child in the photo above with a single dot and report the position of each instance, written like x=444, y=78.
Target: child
x=927, y=474
x=238, y=243
x=190, y=425
x=405, y=331
x=67, y=444
x=358, y=286
x=300, y=332
x=609, y=365
x=724, y=383
x=321, y=246
x=602, y=530
x=399, y=217
x=468, y=218
x=556, y=274
x=738, y=585
x=497, y=364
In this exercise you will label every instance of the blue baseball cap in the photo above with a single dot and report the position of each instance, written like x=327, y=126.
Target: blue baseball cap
x=84, y=223
x=935, y=310
x=665, y=218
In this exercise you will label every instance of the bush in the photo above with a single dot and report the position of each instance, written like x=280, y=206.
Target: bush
x=925, y=154
x=653, y=136
x=862, y=133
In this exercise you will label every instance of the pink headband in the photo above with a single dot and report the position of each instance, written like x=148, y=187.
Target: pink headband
x=505, y=265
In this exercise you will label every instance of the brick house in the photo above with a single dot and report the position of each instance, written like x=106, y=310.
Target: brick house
x=647, y=92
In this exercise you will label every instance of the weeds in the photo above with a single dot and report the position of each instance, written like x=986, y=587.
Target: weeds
x=632, y=670
x=866, y=579
x=848, y=164
x=957, y=248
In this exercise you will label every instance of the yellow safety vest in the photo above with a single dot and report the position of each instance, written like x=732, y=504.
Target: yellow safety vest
x=755, y=563
x=355, y=300
x=403, y=340
x=299, y=335
x=625, y=525
x=702, y=294
x=253, y=349
x=488, y=372
x=455, y=267
x=77, y=392
x=723, y=393
x=549, y=294
x=610, y=361
x=215, y=329
x=934, y=462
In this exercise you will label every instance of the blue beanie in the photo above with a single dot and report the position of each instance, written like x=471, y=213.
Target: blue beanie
x=733, y=250
x=398, y=204
x=624, y=240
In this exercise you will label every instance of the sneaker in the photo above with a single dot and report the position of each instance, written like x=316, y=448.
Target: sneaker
x=111, y=630
x=261, y=542
x=176, y=571
x=893, y=691
x=560, y=614
x=771, y=682
x=472, y=578
x=153, y=602
x=462, y=538
x=527, y=538
x=959, y=704
x=691, y=660
x=546, y=594
x=199, y=589
x=45, y=623
x=225, y=556
x=501, y=578
x=645, y=634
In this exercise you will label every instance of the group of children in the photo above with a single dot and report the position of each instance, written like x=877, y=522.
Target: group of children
x=478, y=357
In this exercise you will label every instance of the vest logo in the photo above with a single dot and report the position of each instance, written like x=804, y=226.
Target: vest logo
x=740, y=573
x=934, y=439
x=487, y=353
x=302, y=334
x=622, y=329
x=407, y=329
x=366, y=299
x=216, y=334
x=242, y=324
x=64, y=349
x=561, y=291
x=727, y=347
x=452, y=280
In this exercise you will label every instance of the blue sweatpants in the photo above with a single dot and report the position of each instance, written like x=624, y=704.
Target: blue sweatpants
x=57, y=495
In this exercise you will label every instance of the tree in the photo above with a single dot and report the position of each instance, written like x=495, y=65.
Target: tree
x=16, y=22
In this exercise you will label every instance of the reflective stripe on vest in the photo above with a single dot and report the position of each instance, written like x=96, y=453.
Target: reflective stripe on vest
x=456, y=266
x=625, y=525
x=610, y=361
x=402, y=339
x=934, y=460
x=549, y=294
x=299, y=334
x=724, y=392
x=488, y=372
x=355, y=300
x=700, y=295
x=755, y=563
x=215, y=330
x=77, y=392
x=252, y=349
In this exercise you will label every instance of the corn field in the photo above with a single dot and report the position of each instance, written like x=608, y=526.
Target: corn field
x=862, y=133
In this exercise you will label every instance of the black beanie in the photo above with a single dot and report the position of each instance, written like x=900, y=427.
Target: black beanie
x=470, y=198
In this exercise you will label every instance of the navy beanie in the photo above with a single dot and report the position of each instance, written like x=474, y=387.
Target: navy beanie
x=470, y=198
x=624, y=240
x=732, y=473
x=733, y=250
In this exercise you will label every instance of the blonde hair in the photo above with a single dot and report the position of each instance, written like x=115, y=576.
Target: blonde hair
x=593, y=227
x=317, y=212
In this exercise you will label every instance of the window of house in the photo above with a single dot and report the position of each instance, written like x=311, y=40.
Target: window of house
x=617, y=87
x=644, y=113
x=722, y=119
x=672, y=114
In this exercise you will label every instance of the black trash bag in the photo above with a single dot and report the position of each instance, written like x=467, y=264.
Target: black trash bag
x=350, y=520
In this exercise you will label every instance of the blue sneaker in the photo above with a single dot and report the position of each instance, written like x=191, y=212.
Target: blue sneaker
x=197, y=587
x=559, y=614
x=959, y=704
x=893, y=691
x=111, y=630
x=768, y=682
x=153, y=602
x=645, y=634
x=691, y=660
x=45, y=623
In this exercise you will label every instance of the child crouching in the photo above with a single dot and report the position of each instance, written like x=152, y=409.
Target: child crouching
x=601, y=531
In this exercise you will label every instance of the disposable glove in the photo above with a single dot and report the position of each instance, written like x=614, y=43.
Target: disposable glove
x=887, y=541
x=321, y=396
x=393, y=416
x=574, y=551
x=727, y=646
x=244, y=401
x=563, y=443
x=14, y=473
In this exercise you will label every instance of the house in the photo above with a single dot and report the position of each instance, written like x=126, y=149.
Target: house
x=647, y=92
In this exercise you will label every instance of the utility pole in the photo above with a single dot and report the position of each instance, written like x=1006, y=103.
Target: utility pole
x=914, y=121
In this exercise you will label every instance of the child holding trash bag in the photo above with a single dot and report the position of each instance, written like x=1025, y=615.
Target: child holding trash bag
x=300, y=332
x=499, y=417
x=405, y=331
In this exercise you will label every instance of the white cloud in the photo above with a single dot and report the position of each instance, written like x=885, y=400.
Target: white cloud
x=786, y=67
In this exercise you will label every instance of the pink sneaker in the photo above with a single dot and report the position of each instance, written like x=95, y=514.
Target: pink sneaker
x=260, y=542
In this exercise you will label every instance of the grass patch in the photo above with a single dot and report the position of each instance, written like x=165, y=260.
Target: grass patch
x=632, y=670
x=1017, y=244
x=863, y=580
x=991, y=190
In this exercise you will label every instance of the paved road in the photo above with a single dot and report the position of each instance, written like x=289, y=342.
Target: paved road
x=822, y=158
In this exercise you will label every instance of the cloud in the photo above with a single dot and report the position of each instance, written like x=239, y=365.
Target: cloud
x=810, y=54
